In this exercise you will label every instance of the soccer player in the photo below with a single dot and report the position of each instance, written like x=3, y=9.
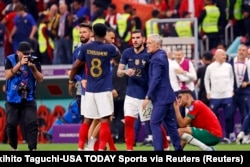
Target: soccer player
x=98, y=96
x=137, y=60
x=85, y=32
x=200, y=127
x=95, y=125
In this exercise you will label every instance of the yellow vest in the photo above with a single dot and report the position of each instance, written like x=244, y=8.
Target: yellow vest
x=210, y=22
x=122, y=26
x=98, y=20
x=183, y=29
x=75, y=36
x=237, y=10
x=155, y=29
x=42, y=40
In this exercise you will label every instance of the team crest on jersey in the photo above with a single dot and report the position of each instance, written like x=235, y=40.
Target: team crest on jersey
x=191, y=108
x=137, y=61
x=143, y=62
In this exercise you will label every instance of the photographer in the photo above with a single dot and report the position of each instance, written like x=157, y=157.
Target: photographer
x=22, y=72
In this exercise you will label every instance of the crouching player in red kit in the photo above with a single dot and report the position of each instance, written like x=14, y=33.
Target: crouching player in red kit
x=205, y=130
x=98, y=96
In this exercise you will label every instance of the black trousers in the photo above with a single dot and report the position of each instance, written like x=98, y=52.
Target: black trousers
x=117, y=126
x=27, y=112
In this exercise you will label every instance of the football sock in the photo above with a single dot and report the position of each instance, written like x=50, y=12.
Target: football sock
x=104, y=135
x=96, y=145
x=193, y=141
x=83, y=135
x=91, y=143
x=111, y=144
x=129, y=132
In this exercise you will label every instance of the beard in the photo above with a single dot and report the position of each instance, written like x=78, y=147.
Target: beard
x=84, y=40
x=138, y=47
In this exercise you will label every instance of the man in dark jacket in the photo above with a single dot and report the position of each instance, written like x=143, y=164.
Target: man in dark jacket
x=161, y=94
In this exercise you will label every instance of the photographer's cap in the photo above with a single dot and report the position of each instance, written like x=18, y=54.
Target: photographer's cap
x=24, y=47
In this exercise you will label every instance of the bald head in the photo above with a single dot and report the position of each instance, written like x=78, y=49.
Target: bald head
x=220, y=55
x=219, y=51
x=63, y=7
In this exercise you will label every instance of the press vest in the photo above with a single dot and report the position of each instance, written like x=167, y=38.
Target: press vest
x=183, y=29
x=155, y=29
x=210, y=22
x=237, y=12
x=122, y=26
x=75, y=36
x=98, y=20
x=12, y=84
x=42, y=40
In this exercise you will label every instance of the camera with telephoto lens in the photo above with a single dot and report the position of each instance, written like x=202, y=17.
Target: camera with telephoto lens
x=32, y=58
x=23, y=90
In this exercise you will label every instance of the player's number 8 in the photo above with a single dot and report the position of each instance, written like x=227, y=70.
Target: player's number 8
x=96, y=70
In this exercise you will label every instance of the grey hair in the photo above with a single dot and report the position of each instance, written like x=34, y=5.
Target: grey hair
x=157, y=38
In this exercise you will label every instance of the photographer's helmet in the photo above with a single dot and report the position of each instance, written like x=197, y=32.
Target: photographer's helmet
x=25, y=47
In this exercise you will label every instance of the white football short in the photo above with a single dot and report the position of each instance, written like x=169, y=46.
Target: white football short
x=98, y=105
x=83, y=105
x=133, y=108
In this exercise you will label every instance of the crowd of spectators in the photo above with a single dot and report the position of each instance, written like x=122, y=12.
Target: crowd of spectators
x=49, y=25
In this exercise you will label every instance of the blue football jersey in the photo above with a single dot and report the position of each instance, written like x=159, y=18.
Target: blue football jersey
x=97, y=56
x=137, y=84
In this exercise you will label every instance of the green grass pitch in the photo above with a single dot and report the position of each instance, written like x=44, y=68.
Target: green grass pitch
x=121, y=147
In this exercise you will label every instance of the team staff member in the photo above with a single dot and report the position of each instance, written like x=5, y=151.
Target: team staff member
x=137, y=60
x=205, y=129
x=22, y=76
x=207, y=58
x=161, y=94
x=98, y=96
x=219, y=85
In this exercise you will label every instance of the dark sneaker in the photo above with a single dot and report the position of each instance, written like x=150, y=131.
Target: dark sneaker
x=226, y=140
x=147, y=143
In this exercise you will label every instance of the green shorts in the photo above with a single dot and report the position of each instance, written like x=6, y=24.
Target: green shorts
x=205, y=137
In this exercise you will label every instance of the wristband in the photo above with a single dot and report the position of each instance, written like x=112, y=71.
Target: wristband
x=71, y=82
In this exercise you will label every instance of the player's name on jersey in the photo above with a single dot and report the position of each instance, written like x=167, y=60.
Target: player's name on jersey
x=97, y=53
